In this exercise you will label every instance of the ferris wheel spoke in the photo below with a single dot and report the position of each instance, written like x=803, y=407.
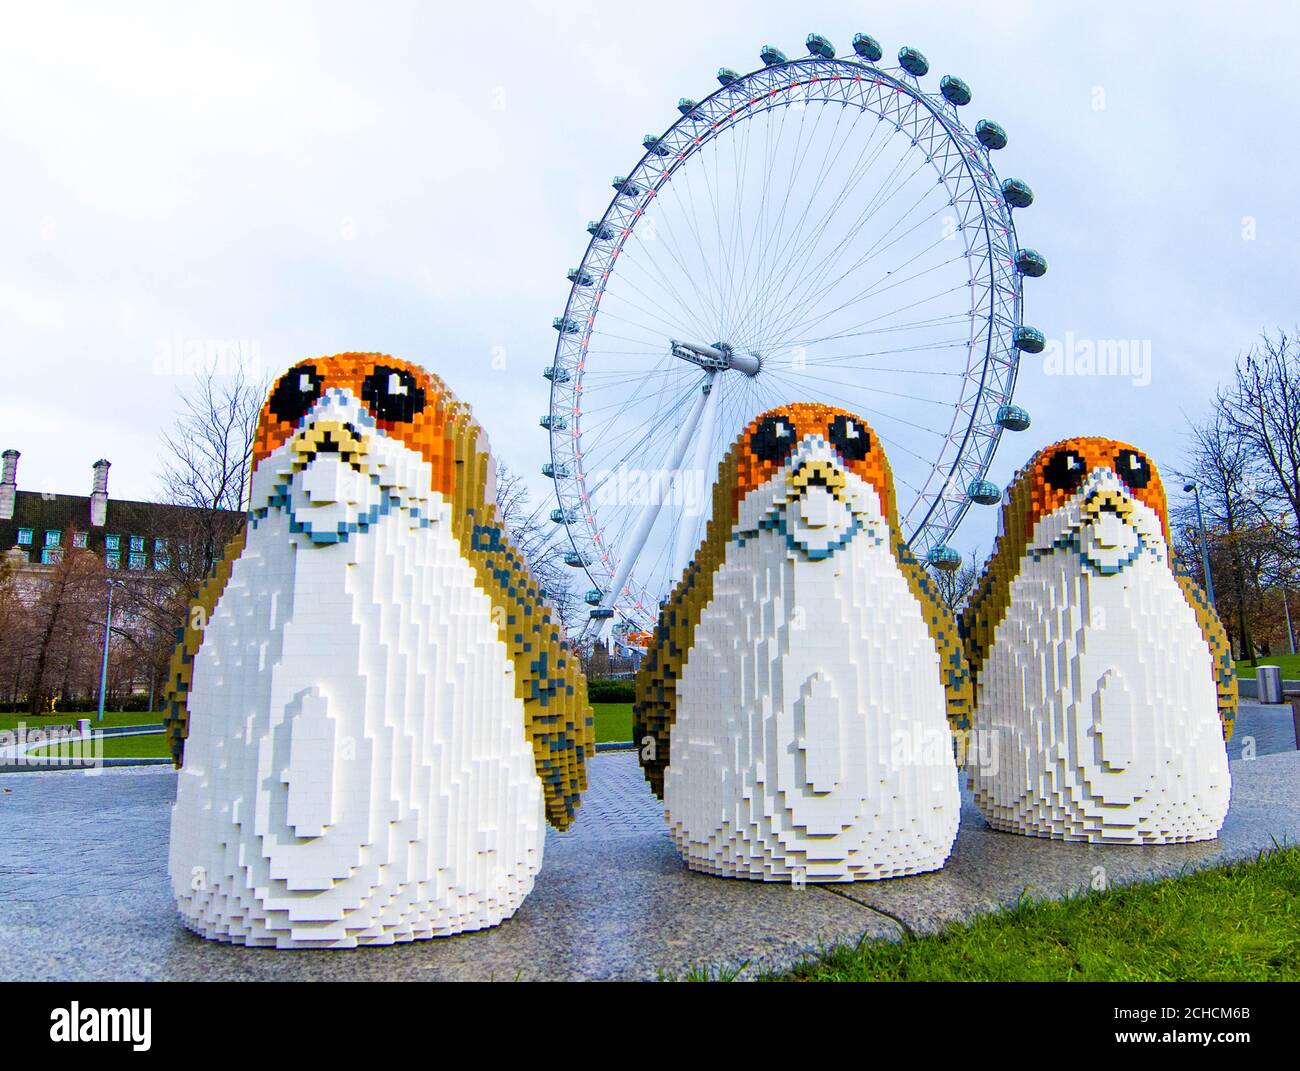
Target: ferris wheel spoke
x=666, y=239
x=852, y=331
x=691, y=219
x=666, y=404
x=860, y=170
x=830, y=266
x=753, y=249
x=867, y=388
x=663, y=330
x=809, y=298
x=667, y=323
x=887, y=188
x=772, y=237
x=740, y=147
x=681, y=398
x=719, y=248
x=947, y=320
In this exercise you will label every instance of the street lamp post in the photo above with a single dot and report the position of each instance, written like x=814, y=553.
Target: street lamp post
x=103, y=666
x=1205, y=549
x=1286, y=609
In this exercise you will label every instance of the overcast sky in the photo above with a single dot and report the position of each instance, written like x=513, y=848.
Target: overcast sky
x=307, y=179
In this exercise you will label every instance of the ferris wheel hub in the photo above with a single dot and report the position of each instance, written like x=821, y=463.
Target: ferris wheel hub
x=718, y=357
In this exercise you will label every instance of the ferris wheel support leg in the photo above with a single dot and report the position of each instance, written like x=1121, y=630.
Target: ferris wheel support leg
x=690, y=524
x=664, y=481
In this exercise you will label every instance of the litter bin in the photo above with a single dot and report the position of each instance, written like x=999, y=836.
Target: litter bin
x=1269, y=682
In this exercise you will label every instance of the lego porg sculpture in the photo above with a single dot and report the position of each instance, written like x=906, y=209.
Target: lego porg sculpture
x=793, y=710
x=1104, y=686
x=372, y=712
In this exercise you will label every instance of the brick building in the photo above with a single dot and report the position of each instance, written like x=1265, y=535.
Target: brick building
x=37, y=528
x=155, y=553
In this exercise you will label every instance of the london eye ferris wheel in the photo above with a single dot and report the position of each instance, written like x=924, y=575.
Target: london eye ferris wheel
x=819, y=229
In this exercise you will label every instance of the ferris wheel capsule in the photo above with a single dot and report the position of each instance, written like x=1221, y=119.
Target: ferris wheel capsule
x=1031, y=262
x=1013, y=418
x=944, y=558
x=819, y=46
x=985, y=492
x=1017, y=193
x=990, y=135
x=913, y=62
x=954, y=90
x=867, y=47
x=1029, y=339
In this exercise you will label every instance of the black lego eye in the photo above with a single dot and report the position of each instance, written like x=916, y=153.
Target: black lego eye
x=850, y=438
x=392, y=394
x=1065, y=471
x=1133, y=469
x=296, y=393
x=773, y=439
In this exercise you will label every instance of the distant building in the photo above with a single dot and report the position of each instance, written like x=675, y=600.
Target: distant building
x=156, y=551
x=37, y=528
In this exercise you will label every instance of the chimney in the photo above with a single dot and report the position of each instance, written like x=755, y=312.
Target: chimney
x=8, y=483
x=99, y=495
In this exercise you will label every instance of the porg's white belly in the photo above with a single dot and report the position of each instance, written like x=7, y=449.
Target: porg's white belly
x=357, y=770
x=811, y=739
x=1096, y=713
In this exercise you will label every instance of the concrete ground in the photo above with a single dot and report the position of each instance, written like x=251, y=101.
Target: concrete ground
x=84, y=892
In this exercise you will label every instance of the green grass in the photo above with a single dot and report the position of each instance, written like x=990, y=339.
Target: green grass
x=1290, y=666
x=613, y=722
x=152, y=746
x=111, y=717
x=1238, y=923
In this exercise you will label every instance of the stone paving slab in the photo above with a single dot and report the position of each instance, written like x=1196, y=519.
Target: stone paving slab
x=1266, y=728
x=84, y=891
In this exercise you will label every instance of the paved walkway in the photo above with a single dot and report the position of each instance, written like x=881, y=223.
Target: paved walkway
x=84, y=893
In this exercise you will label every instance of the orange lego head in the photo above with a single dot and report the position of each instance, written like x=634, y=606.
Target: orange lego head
x=771, y=438
x=814, y=472
x=1098, y=498
x=1057, y=473
x=346, y=439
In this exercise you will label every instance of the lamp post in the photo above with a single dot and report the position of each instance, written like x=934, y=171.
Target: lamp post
x=1205, y=548
x=108, y=625
x=1286, y=609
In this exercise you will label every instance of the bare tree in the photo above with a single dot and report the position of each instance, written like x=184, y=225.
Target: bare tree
x=210, y=446
x=207, y=460
x=1261, y=407
x=956, y=585
x=64, y=620
x=1223, y=466
x=539, y=542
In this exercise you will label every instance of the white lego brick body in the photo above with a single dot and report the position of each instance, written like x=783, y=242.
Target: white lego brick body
x=1096, y=711
x=357, y=769
x=811, y=739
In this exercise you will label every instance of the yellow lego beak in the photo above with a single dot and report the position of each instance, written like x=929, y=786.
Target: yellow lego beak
x=819, y=473
x=328, y=437
x=1108, y=501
